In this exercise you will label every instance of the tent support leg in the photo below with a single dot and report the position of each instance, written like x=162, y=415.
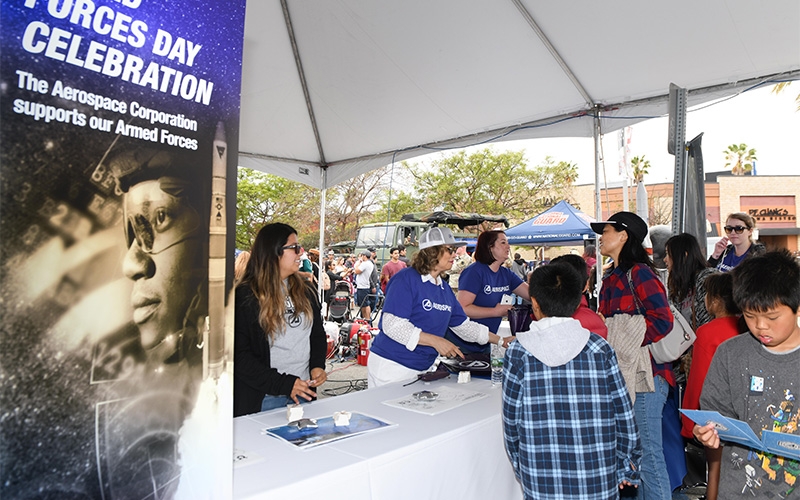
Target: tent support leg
x=598, y=207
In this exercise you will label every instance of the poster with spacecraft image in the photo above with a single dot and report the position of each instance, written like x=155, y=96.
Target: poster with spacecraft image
x=118, y=132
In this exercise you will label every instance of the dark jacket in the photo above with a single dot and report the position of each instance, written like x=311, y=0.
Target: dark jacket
x=334, y=277
x=253, y=376
x=755, y=249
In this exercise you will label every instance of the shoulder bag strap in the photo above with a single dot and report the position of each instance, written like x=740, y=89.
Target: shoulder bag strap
x=636, y=300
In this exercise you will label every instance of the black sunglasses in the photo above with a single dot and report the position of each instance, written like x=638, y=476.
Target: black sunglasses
x=737, y=229
x=296, y=247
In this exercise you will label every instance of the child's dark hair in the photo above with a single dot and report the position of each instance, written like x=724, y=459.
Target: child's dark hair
x=763, y=282
x=720, y=286
x=574, y=261
x=557, y=289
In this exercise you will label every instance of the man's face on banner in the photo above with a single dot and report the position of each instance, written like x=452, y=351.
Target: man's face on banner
x=164, y=259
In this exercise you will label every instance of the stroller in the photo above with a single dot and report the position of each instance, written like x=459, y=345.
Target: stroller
x=341, y=302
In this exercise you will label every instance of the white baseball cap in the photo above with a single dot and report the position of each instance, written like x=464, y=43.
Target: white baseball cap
x=439, y=236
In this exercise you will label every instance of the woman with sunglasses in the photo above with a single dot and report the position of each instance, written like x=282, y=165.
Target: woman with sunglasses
x=279, y=342
x=731, y=250
x=418, y=309
x=483, y=283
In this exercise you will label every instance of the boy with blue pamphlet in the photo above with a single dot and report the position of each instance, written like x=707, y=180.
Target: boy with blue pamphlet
x=755, y=378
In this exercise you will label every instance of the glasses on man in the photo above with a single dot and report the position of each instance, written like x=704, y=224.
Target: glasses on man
x=296, y=247
x=158, y=224
x=735, y=229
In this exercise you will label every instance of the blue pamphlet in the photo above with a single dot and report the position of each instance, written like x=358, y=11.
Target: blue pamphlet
x=324, y=430
x=736, y=431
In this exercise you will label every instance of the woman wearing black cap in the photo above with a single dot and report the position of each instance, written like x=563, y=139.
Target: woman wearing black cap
x=621, y=239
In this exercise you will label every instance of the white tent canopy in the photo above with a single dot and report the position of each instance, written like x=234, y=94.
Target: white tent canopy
x=345, y=86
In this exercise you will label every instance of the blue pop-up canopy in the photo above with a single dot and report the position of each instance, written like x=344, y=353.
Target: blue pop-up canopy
x=562, y=224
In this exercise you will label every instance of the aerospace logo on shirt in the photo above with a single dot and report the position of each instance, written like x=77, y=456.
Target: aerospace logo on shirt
x=488, y=289
x=428, y=304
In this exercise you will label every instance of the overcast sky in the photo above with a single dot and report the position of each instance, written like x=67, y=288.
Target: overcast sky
x=762, y=120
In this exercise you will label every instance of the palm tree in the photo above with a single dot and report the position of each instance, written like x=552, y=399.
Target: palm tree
x=639, y=166
x=739, y=158
x=780, y=87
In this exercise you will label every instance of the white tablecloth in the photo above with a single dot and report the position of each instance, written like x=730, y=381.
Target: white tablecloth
x=457, y=454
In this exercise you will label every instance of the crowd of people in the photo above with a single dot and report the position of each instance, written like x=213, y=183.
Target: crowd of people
x=581, y=386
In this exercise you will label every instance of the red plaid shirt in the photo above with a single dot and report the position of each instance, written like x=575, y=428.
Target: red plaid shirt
x=616, y=298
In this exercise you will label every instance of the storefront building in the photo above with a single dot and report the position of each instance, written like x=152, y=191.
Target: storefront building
x=770, y=200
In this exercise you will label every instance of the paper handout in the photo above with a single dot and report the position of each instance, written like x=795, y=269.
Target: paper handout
x=325, y=430
x=736, y=431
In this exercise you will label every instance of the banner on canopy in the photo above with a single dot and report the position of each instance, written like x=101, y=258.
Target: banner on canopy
x=562, y=224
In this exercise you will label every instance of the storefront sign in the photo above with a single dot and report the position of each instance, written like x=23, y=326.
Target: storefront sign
x=774, y=214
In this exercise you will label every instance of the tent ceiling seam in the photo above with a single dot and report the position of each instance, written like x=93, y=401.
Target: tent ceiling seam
x=303, y=82
x=560, y=60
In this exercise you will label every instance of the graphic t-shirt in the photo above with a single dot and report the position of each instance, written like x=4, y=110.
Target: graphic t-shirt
x=428, y=306
x=488, y=287
x=290, y=350
x=749, y=383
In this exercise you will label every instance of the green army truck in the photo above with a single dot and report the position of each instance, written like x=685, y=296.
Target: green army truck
x=382, y=236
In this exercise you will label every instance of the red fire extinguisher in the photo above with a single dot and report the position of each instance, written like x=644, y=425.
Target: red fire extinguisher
x=364, y=339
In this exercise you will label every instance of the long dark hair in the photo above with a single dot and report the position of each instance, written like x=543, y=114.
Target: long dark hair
x=483, y=248
x=263, y=275
x=687, y=260
x=720, y=286
x=632, y=252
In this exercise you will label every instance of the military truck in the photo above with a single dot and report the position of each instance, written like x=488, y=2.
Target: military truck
x=382, y=236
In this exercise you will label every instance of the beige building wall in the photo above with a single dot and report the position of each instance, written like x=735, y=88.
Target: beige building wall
x=733, y=194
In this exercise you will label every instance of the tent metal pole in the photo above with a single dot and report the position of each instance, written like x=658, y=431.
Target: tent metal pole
x=677, y=144
x=303, y=82
x=598, y=207
x=553, y=52
x=322, y=232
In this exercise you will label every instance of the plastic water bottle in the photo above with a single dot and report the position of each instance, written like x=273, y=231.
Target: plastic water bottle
x=497, y=365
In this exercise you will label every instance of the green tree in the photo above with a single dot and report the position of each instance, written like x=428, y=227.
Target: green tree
x=640, y=168
x=402, y=202
x=492, y=183
x=739, y=158
x=263, y=198
x=354, y=202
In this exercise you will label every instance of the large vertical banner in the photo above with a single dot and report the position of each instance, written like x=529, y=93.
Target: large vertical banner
x=118, y=132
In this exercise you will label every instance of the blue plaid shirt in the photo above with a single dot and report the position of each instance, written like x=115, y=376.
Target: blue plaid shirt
x=569, y=430
x=616, y=298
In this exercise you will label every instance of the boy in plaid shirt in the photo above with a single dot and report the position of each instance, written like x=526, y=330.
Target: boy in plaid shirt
x=568, y=421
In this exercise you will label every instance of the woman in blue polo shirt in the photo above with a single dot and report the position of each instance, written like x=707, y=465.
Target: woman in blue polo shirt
x=418, y=309
x=483, y=284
